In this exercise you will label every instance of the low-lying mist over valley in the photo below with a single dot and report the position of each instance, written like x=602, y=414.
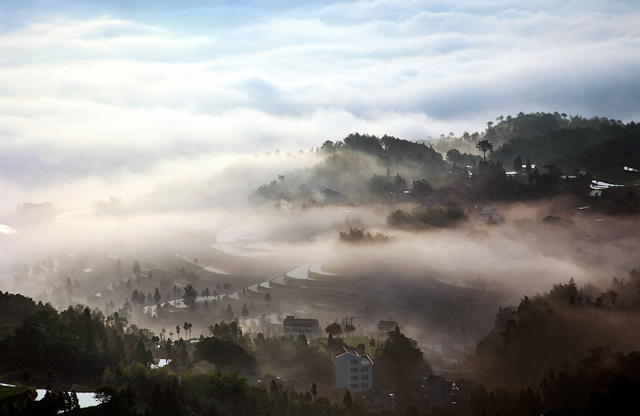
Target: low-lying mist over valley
x=341, y=208
x=366, y=228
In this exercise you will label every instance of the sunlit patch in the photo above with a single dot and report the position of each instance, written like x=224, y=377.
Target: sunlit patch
x=5, y=229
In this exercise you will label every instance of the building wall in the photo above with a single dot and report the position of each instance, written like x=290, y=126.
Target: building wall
x=295, y=327
x=352, y=374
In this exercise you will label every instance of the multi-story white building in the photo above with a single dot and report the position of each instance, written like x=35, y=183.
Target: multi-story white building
x=353, y=371
x=295, y=326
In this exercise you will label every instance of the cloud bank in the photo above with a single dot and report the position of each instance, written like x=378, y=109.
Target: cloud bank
x=89, y=90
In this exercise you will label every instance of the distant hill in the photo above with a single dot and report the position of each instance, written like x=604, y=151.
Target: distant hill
x=608, y=159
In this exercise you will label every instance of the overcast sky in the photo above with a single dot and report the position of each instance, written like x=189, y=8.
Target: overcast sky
x=91, y=89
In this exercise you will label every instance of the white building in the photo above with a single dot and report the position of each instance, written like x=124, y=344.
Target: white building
x=353, y=371
x=292, y=325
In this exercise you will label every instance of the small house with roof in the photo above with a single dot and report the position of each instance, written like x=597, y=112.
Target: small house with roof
x=354, y=371
x=331, y=196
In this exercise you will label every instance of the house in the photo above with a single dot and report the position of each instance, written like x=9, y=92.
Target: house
x=488, y=215
x=353, y=371
x=292, y=325
x=331, y=196
x=438, y=391
x=436, y=199
x=422, y=188
x=463, y=388
x=461, y=392
x=384, y=327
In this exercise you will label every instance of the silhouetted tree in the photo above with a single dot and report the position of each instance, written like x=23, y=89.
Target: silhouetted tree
x=484, y=146
x=334, y=329
x=346, y=400
x=189, y=296
x=136, y=268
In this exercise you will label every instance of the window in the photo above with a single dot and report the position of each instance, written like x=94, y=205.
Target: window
x=354, y=377
x=354, y=386
x=365, y=369
x=365, y=385
x=355, y=361
x=365, y=377
x=354, y=369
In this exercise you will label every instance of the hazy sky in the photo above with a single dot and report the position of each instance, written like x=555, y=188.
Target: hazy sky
x=92, y=89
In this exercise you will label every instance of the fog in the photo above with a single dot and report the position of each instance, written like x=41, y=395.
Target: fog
x=197, y=213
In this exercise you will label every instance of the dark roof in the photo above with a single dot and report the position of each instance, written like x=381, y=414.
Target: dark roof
x=339, y=350
x=294, y=321
x=331, y=192
x=387, y=323
x=465, y=385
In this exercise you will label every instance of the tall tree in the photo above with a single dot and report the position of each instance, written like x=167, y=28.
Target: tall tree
x=349, y=329
x=484, y=146
x=517, y=164
x=346, y=400
x=189, y=296
x=334, y=329
x=136, y=268
x=401, y=363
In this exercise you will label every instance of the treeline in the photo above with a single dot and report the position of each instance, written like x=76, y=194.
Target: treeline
x=603, y=382
x=426, y=217
x=157, y=392
x=523, y=126
x=362, y=236
x=562, y=153
x=356, y=166
x=74, y=346
x=563, y=352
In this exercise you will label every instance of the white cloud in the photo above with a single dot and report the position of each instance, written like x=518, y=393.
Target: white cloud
x=94, y=86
